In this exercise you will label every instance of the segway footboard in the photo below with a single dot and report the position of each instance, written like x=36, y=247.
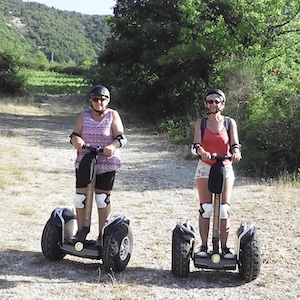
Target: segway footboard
x=88, y=249
x=214, y=261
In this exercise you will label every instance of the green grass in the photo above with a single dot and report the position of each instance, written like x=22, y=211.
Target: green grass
x=54, y=83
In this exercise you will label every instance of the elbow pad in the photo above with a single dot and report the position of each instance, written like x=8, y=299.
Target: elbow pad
x=73, y=134
x=121, y=139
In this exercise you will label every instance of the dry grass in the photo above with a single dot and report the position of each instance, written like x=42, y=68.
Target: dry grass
x=154, y=189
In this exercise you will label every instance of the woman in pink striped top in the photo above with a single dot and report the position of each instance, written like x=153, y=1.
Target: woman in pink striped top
x=98, y=126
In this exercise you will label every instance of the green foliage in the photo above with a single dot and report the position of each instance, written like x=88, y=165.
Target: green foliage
x=46, y=82
x=142, y=33
x=32, y=34
x=178, y=130
x=163, y=55
x=11, y=79
x=38, y=61
x=273, y=132
x=13, y=42
x=259, y=73
x=30, y=28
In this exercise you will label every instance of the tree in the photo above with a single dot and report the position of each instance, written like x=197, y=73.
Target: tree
x=164, y=54
x=142, y=32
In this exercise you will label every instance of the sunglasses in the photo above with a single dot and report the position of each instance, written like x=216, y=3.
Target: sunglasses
x=213, y=101
x=96, y=99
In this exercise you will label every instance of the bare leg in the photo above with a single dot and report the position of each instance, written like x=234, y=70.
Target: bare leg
x=203, y=229
x=80, y=213
x=103, y=214
x=204, y=197
x=224, y=230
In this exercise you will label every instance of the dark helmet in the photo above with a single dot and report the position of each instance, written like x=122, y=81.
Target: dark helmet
x=100, y=90
x=215, y=91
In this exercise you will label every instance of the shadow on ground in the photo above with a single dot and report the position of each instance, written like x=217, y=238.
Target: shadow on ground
x=21, y=266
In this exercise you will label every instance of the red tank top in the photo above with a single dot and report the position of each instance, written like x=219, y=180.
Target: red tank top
x=216, y=142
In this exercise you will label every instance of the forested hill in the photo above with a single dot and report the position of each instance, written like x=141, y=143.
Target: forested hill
x=29, y=27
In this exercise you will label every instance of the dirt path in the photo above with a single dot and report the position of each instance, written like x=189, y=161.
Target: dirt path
x=155, y=190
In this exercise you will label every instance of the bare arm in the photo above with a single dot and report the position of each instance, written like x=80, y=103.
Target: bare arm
x=198, y=141
x=118, y=129
x=197, y=132
x=234, y=141
x=76, y=139
x=117, y=124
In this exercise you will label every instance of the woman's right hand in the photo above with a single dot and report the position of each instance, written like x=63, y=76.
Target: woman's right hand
x=205, y=156
x=78, y=142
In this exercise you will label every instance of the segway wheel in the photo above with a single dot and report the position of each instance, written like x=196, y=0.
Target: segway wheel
x=51, y=239
x=117, y=248
x=250, y=260
x=181, y=255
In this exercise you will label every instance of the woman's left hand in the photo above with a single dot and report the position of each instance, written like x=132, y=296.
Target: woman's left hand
x=109, y=150
x=236, y=157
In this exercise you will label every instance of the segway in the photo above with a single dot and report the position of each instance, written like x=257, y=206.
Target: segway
x=115, y=246
x=247, y=249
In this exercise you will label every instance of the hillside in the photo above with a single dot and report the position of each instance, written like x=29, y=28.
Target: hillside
x=62, y=35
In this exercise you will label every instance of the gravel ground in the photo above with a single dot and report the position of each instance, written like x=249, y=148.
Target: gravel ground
x=155, y=190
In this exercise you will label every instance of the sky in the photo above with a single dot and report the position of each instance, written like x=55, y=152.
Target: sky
x=89, y=7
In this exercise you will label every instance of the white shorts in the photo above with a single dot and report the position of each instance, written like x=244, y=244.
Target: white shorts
x=203, y=169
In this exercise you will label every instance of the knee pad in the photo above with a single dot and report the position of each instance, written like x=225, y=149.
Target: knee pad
x=79, y=200
x=102, y=200
x=224, y=211
x=206, y=210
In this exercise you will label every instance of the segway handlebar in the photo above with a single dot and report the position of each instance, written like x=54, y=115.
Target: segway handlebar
x=219, y=157
x=95, y=150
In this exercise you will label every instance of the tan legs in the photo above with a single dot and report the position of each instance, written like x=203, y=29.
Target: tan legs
x=206, y=197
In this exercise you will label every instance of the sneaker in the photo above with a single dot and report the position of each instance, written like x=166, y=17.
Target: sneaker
x=226, y=253
x=202, y=251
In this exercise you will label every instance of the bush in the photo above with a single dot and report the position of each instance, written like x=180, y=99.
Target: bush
x=266, y=107
x=11, y=81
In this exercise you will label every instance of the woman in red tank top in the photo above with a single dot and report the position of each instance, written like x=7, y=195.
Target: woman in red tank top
x=215, y=139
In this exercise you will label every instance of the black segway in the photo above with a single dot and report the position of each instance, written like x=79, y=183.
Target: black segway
x=247, y=249
x=115, y=247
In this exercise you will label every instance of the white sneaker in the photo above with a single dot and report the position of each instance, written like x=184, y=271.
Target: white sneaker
x=226, y=253
x=202, y=251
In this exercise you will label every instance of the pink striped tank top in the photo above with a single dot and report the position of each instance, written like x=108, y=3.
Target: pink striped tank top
x=99, y=134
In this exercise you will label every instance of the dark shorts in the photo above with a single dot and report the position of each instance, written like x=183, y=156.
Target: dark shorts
x=103, y=181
